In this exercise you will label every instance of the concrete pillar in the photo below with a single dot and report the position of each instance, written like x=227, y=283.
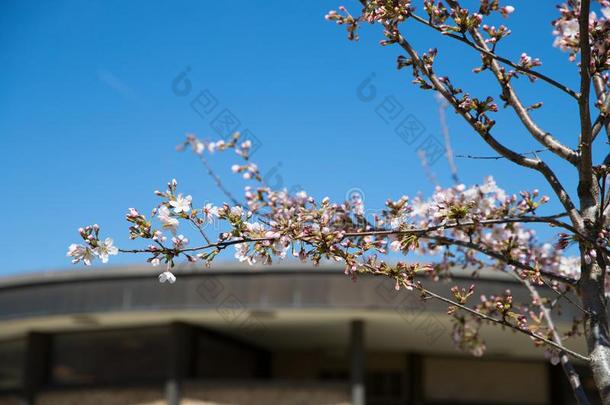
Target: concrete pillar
x=172, y=392
x=35, y=373
x=357, y=366
x=415, y=373
x=180, y=352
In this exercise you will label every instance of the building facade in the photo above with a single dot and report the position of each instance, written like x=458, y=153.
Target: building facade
x=254, y=336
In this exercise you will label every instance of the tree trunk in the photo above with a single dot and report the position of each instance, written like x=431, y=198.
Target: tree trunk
x=596, y=324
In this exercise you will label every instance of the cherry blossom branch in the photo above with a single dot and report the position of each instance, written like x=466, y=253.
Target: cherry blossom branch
x=219, y=245
x=485, y=134
x=510, y=95
x=420, y=232
x=543, y=137
x=495, y=56
x=551, y=219
x=505, y=323
x=500, y=257
x=486, y=317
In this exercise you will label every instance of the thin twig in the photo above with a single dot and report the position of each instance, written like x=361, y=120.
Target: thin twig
x=200, y=229
x=566, y=296
x=217, y=180
x=501, y=157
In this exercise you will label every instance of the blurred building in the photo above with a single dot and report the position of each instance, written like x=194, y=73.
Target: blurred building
x=286, y=334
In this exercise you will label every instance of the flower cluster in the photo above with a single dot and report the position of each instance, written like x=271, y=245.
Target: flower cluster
x=466, y=327
x=488, y=6
x=527, y=62
x=93, y=247
x=437, y=12
x=200, y=147
x=345, y=19
x=567, y=33
x=387, y=11
x=495, y=34
x=463, y=19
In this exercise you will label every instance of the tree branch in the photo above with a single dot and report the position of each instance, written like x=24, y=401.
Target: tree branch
x=534, y=152
x=511, y=155
x=513, y=100
x=551, y=219
x=586, y=186
x=491, y=319
x=493, y=55
x=217, y=180
x=504, y=323
x=501, y=257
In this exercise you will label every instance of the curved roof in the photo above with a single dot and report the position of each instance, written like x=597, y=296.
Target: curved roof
x=292, y=303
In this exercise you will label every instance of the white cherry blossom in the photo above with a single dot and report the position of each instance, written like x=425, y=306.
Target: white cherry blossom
x=167, y=276
x=81, y=253
x=168, y=222
x=105, y=248
x=181, y=204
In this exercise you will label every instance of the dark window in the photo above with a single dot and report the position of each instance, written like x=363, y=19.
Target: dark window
x=12, y=358
x=124, y=356
x=380, y=385
x=218, y=357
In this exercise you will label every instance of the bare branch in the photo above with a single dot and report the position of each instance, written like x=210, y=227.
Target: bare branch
x=217, y=180
x=534, y=152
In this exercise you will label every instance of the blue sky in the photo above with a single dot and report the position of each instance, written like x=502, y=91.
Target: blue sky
x=89, y=121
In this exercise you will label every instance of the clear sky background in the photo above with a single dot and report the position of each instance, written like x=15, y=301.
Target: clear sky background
x=89, y=121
